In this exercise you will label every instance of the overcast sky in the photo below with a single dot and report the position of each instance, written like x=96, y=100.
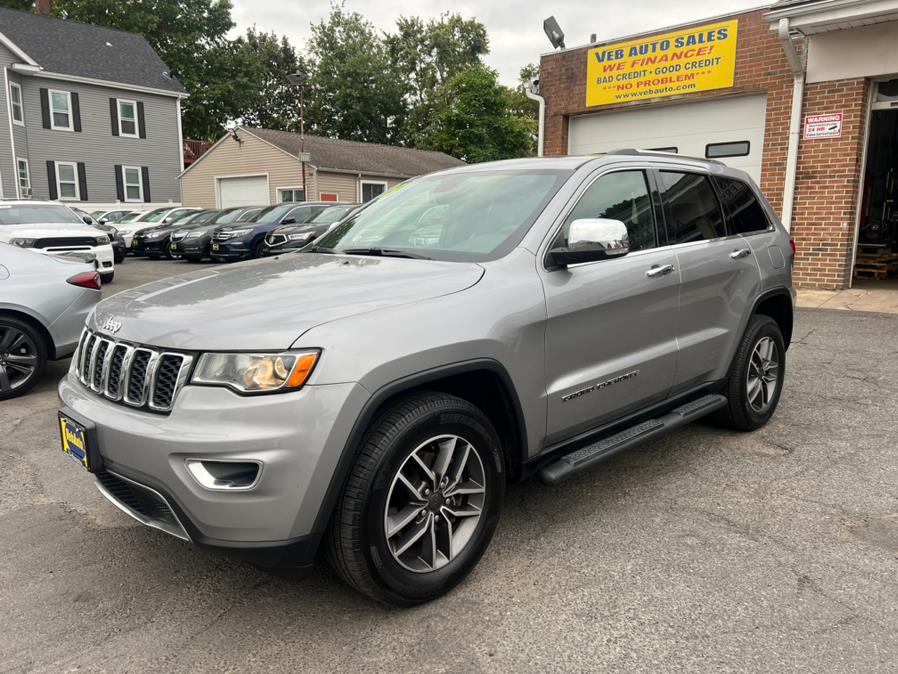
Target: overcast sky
x=515, y=29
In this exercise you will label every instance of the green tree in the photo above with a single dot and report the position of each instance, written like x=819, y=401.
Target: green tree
x=426, y=55
x=475, y=119
x=354, y=91
x=17, y=4
x=277, y=104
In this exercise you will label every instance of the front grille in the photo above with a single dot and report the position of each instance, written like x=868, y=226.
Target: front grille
x=138, y=376
x=66, y=242
x=177, y=236
x=221, y=236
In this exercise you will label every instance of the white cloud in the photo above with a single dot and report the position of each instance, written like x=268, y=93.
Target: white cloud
x=515, y=29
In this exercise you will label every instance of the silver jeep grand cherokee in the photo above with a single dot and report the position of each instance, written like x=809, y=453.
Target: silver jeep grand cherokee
x=372, y=395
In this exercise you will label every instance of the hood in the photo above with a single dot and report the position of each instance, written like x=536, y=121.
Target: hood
x=269, y=303
x=48, y=230
x=243, y=225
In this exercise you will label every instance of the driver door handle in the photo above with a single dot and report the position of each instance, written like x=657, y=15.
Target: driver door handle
x=657, y=271
x=742, y=252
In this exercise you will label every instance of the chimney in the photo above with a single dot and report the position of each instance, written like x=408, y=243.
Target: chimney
x=42, y=7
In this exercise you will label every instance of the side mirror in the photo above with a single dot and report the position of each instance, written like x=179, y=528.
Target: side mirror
x=289, y=221
x=591, y=239
x=104, y=221
x=88, y=220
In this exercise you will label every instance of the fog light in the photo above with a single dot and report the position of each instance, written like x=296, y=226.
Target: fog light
x=225, y=475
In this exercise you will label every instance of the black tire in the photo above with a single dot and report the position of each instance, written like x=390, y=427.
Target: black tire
x=740, y=414
x=107, y=278
x=356, y=544
x=13, y=382
x=257, y=250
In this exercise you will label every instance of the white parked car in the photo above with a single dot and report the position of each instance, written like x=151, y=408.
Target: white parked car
x=128, y=227
x=54, y=229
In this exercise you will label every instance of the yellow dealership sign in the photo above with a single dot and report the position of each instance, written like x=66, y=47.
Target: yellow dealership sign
x=697, y=59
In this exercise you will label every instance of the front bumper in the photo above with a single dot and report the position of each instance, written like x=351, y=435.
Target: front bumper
x=194, y=248
x=103, y=256
x=154, y=247
x=297, y=437
x=231, y=249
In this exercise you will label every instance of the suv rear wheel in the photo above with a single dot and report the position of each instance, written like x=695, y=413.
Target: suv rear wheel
x=421, y=503
x=755, y=380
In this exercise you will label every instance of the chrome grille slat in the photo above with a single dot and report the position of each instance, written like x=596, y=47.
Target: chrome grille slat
x=138, y=376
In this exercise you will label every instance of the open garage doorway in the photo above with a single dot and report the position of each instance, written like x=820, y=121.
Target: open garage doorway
x=877, y=249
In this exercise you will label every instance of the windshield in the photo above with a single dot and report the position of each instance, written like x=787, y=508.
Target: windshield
x=230, y=215
x=154, y=216
x=331, y=215
x=270, y=214
x=199, y=219
x=37, y=214
x=130, y=217
x=468, y=217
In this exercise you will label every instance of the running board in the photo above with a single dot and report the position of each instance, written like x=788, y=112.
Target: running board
x=590, y=455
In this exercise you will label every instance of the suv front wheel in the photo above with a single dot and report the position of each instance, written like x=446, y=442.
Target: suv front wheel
x=422, y=501
x=755, y=381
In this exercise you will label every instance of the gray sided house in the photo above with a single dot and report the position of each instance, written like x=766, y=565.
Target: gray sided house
x=88, y=115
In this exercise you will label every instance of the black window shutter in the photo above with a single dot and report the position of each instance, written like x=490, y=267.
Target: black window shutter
x=51, y=177
x=141, y=122
x=119, y=183
x=45, y=108
x=76, y=112
x=145, y=175
x=82, y=180
x=113, y=115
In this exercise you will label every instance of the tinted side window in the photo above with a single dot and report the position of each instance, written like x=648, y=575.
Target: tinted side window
x=620, y=196
x=746, y=214
x=693, y=213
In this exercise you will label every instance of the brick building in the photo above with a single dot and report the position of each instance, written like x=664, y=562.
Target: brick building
x=803, y=95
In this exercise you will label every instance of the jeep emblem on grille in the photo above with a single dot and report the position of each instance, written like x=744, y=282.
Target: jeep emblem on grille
x=111, y=325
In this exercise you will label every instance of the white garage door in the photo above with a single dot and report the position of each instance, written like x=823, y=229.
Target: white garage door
x=243, y=191
x=688, y=127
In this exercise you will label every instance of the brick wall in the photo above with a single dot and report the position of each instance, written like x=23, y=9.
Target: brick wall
x=761, y=67
x=827, y=184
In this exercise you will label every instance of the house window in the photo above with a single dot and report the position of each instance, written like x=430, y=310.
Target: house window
x=61, y=110
x=132, y=179
x=739, y=148
x=127, y=118
x=291, y=194
x=15, y=100
x=370, y=190
x=67, y=181
x=24, y=174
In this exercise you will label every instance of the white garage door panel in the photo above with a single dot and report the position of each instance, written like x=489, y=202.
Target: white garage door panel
x=242, y=191
x=688, y=127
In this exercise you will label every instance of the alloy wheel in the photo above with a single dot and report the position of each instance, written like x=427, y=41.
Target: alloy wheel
x=435, y=503
x=18, y=358
x=763, y=374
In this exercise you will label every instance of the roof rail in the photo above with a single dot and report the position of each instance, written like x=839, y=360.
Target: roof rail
x=635, y=152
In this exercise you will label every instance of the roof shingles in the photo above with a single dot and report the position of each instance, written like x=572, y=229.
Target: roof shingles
x=84, y=50
x=370, y=158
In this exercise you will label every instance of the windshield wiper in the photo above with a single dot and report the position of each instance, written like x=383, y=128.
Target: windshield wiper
x=384, y=252
x=320, y=249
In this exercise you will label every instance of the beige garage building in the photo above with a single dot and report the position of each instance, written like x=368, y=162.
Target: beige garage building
x=263, y=166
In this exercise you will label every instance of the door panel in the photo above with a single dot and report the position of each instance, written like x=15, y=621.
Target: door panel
x=611, y=339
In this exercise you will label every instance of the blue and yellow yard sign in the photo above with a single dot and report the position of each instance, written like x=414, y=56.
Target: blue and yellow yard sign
x=697, y=59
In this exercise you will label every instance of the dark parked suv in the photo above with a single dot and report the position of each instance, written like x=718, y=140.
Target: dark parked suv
x=244, y=240
x=194, y=241
x=374, y=394
x=285, y=238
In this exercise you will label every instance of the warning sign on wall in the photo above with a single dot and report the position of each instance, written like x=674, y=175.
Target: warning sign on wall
x=823, y=126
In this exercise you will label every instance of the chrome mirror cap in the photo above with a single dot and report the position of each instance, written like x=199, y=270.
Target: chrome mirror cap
x=591, y=239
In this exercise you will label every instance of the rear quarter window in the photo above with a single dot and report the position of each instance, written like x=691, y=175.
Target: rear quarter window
x=745, y=213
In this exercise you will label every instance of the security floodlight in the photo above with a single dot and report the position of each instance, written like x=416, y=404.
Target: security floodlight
x=554, y=32
x=298, y=78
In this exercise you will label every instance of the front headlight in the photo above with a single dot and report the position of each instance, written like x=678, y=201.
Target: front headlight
x=154, y=235
x=102, y=240
x=256, y=372
x=299, y=237
x=194, y=235
x=238, y=232
x=22, y=243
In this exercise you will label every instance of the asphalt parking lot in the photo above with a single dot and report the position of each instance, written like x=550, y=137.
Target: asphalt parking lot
x=705, y=551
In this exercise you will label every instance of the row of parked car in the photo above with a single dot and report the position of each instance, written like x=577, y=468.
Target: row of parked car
x=228, y=234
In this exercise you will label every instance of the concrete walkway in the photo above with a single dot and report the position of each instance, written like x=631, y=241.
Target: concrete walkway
x=866, y=295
